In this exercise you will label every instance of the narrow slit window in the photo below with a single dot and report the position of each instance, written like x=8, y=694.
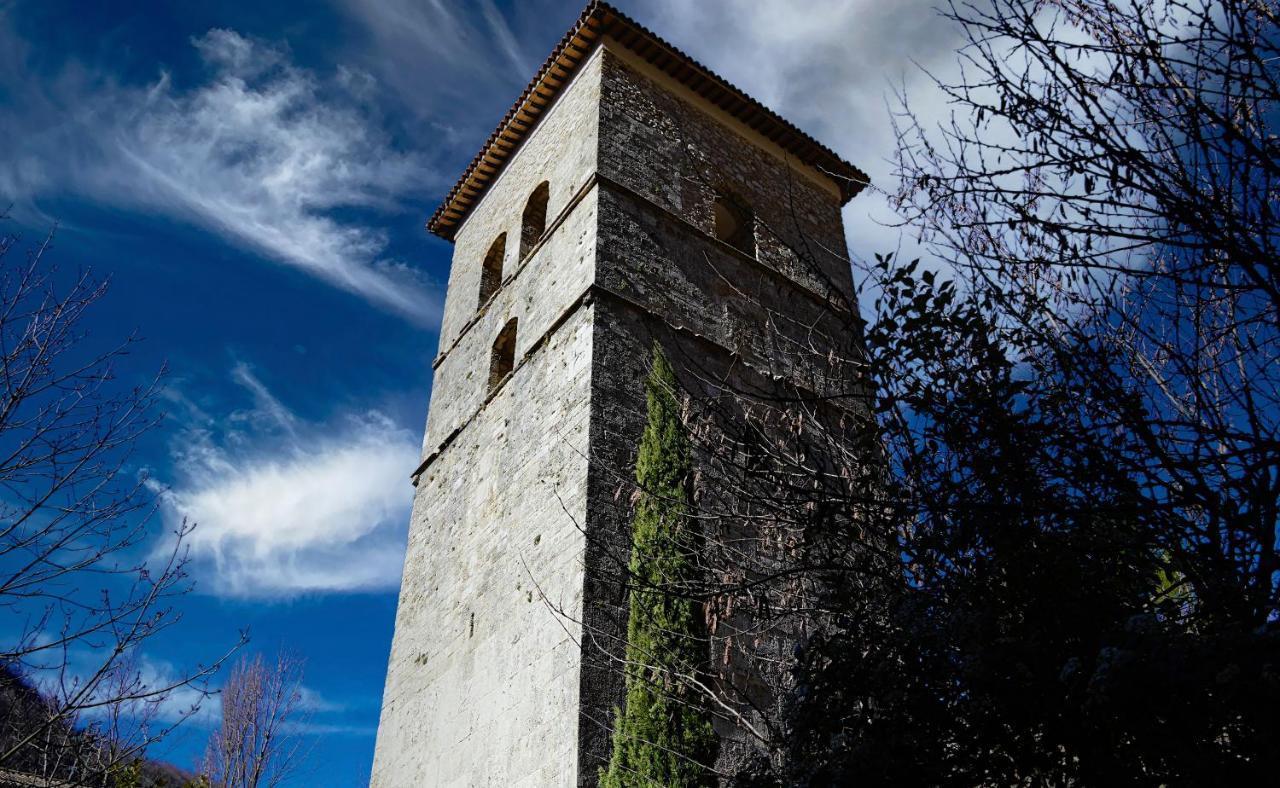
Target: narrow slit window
x=503, y=359
x=491, y=272
x=534, y=221
x=735, y=223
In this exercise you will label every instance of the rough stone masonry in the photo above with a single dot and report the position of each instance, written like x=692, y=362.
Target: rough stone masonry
x=510, y=608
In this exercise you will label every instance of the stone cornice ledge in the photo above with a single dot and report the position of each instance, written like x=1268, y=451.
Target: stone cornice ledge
x=589, y=296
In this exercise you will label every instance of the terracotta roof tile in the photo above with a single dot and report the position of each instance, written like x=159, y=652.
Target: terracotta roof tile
x=596, y=20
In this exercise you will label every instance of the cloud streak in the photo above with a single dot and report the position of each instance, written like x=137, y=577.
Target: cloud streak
x=258, y=155
x=285, y=507
x=471, y=56
x=268, y=155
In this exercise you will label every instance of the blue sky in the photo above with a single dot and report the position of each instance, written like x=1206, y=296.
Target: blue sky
x=254, y=178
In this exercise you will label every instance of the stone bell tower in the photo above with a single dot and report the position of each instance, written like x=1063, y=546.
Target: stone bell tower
x=629, y=196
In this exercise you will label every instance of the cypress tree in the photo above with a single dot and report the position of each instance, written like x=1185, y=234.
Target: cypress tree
x=664, y=737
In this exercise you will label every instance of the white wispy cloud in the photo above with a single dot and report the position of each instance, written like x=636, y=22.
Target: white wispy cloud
x=453, y=68
x=204, y=709
x=311, y=701
x=260, y=155
x=183, y=703
x=274, y=158
x=286, y=507
x=329, y=729
x=135, y=672
x=506, y=39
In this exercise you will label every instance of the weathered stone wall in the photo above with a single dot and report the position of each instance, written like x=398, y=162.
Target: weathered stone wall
x=623, y=340
x=483, y=682
x=734, y=325
x=540, y=292
x=675, y=270
x=754, y=633
x=561, y=150
x=511, y=617
x=665, y=143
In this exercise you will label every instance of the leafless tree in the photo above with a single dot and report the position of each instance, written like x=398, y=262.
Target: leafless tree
x=82, y=593
x=257, y=743
x=1109, y=182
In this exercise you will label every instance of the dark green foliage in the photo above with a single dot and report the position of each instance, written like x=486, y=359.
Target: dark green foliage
x=1040, y=628
x=664, y=737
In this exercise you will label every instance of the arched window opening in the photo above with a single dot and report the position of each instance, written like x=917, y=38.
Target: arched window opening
x=534, y=221
x=503, y=359
x=491, y=272
x=735, y=224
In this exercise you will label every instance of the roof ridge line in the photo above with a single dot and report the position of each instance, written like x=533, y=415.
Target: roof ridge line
x=475, y=179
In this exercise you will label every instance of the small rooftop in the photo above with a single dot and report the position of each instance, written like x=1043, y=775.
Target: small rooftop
x=597, y=20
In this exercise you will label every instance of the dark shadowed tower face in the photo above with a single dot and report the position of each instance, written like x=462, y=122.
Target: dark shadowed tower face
x=630, y=196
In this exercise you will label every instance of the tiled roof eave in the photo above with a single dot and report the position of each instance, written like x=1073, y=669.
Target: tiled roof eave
x=597, y=20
